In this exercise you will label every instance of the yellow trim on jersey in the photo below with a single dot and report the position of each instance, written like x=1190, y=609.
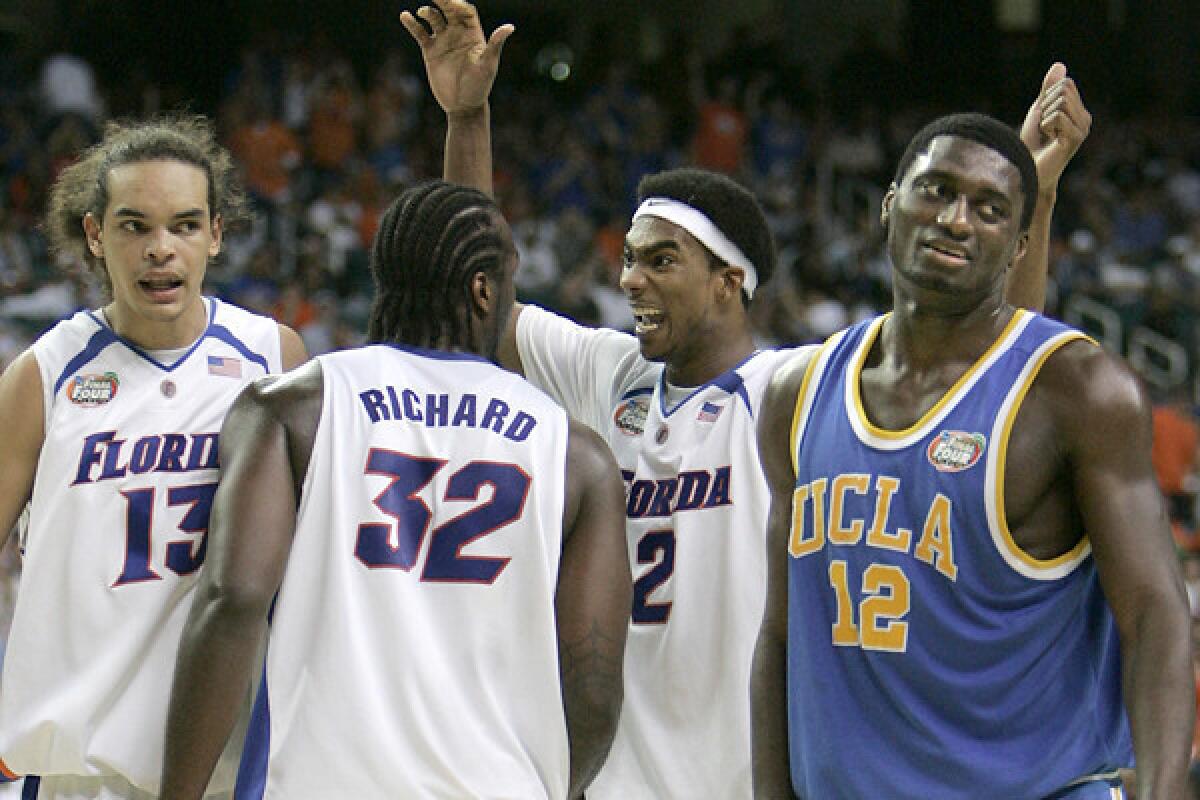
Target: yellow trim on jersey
x=798, y=408
x=854, y=379
x=1001, y=445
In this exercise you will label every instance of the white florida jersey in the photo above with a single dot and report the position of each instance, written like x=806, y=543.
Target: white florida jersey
x=413, y=649
x=696, y=514
x=116, y=534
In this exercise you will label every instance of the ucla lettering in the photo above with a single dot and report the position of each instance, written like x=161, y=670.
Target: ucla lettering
x=848, y=509
x=104, y=457
x=689, y=491
x=391, y=404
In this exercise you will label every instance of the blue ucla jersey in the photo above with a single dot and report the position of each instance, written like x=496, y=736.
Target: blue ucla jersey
x=413, y=649
x=929, y=656
x=116, y=536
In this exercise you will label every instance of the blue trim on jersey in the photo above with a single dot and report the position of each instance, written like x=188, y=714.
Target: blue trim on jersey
x=106, y=336
x=221, y=333
x=252, y=771
x=636, y=393
x=730, y=381
x=30, y=790
x=426, y=352
x=212, y=311
x=95, y=345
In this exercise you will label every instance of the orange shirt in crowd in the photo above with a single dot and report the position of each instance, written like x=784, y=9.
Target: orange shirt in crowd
x=267, y=152
x=1176, y=437
x=720, y=138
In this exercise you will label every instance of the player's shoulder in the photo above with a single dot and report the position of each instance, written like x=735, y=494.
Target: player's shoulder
x=788, y=369
x=230, y=315
x=1086, y=385
x=280, y=395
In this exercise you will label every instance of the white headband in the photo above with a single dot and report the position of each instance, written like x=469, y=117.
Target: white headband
x=699, y=225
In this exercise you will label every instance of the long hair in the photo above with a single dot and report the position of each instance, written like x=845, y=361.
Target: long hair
x=431, y=241
x=82, y=188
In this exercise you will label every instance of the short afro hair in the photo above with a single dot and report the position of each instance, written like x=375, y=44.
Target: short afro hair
x=730, y=206
x=989, y=132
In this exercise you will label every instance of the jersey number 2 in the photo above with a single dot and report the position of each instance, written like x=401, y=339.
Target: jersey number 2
x=444, y=560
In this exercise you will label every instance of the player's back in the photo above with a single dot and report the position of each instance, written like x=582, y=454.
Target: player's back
x=413, y=648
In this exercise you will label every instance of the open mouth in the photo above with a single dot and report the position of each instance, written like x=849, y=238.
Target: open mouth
x=160, y=287
x=646, y=320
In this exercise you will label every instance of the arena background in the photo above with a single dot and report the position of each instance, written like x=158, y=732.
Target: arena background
x=809, y=103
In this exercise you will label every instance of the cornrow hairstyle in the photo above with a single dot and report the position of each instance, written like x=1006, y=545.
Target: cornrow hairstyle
x=431, y=242
x=82, y=187
x=731, y=207
x=989, y=132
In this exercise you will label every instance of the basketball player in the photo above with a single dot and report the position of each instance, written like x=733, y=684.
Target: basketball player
x=677, y=404
x=969, y=566
x=111, y=421
x=446, y=546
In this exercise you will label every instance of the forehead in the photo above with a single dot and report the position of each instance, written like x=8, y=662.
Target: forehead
x=157, y=187
x=647, y=232
x=968, y=160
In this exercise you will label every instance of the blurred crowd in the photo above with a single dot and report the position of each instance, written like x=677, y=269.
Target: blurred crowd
x=324, y=147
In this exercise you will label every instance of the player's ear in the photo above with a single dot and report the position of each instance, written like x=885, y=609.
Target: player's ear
x=731, y=283
x=1021, y=246
x=215, y=247
x=483, y=294
x=91, y=230
x=885, y=209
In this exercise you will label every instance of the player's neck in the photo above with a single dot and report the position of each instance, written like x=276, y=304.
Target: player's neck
x=923, y=336
x=719, y=355
x=158, y=334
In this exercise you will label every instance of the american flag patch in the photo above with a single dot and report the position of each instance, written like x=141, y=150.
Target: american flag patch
x=709, y=412
x=224, y=365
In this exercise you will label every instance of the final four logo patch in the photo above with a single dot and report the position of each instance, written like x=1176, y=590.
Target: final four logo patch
x=630, y=416
x=955, y=451
x=92, y=390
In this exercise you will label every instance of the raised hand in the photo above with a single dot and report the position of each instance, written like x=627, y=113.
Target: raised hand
x=460, y=63
x=1055, y=125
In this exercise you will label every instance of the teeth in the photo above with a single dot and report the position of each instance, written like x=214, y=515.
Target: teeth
x=646, y=320
x=167, y=283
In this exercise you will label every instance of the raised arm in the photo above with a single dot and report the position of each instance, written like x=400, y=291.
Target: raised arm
x=1054, y=128
x=264, y=452
x=1103, y=420
x=768, y=684
x=592, y=602
x=24, y=429
x=461, y=66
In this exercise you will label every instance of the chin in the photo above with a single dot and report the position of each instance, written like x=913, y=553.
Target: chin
x=649, y=353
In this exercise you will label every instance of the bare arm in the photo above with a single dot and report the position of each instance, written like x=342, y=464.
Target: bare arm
x=24, y=430
x=592, y=603
x=291, y=347
x=1054, y=128
x=461, y=66
x=768, y=684
x=1123, y=515
x=250, y=534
